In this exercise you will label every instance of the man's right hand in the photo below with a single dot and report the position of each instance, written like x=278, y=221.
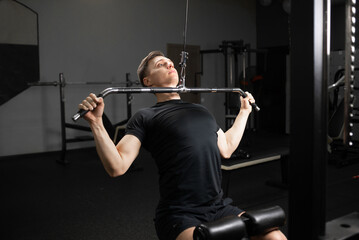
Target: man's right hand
x=95, y=106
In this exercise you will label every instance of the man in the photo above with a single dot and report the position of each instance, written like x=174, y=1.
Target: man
x=187, y=145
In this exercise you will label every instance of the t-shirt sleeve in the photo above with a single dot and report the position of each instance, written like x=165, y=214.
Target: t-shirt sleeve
x=218, y=127
x=136, y=125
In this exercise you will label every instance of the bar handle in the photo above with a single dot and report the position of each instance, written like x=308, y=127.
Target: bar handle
x=81, y=112
x=254, y=105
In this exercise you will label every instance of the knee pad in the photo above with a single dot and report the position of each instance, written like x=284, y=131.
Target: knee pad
x=262, y=220
x=231, y=227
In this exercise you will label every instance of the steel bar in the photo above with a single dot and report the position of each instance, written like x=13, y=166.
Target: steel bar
x=56, y=83
x=336, y=84
x=38, y=84
x=119, y=90
x=95, y=83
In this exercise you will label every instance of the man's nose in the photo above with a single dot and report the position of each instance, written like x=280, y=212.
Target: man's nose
x=169, y=65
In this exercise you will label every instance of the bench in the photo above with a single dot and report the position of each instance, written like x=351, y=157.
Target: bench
x=269, y=147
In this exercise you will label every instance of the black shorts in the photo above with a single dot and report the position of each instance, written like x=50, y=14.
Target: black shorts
x=169, y=226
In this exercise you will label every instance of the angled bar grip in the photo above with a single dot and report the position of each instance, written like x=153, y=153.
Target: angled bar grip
x=80, y=113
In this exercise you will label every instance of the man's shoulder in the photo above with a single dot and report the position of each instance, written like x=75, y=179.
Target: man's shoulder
x=144, y=112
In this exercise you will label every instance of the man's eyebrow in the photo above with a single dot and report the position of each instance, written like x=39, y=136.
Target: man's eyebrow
x=159, y=60
x=162, y=60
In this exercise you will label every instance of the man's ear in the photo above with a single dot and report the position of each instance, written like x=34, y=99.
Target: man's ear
x=146, y=82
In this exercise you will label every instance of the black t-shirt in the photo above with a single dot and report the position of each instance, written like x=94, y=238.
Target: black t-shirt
x=182, y=138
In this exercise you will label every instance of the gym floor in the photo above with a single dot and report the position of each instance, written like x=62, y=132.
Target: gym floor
x=42, y=199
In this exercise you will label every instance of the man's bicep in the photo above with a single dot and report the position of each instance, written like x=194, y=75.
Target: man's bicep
x=222, y=142
x=129, y=147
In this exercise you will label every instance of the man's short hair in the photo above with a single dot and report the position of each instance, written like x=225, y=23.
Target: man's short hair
x=142, y=68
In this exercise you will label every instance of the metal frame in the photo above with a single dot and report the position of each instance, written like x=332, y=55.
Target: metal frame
x=62, y=83
x=308, y=126
x=350, y=20
x=230, y=51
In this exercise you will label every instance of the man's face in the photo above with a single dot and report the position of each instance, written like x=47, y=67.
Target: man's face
x=161, y=73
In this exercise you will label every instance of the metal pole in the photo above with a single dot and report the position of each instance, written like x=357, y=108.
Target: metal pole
x=128, y=97
x=308, y=128
x=62, y=109
x=226, y=79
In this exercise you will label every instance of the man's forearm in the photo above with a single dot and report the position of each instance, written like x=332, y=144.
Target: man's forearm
x=106, y=149
x=235, y=133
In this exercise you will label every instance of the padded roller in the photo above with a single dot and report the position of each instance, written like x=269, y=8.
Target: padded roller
x=227, y=228
x=261, y=220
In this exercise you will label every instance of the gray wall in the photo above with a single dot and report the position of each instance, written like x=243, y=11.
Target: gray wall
x=90, y=40
x=23, y=24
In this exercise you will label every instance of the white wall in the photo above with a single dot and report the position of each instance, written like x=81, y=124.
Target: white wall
x=93, y=40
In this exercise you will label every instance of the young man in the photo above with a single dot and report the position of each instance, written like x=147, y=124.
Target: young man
x=187, y=145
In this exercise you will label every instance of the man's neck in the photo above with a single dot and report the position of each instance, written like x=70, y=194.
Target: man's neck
x=163, y=97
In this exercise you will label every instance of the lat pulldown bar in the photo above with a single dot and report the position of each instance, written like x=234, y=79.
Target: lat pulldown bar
x=112, y=90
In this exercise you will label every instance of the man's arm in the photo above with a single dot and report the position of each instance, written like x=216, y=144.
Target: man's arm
x=115, y=159
x=228, y=141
